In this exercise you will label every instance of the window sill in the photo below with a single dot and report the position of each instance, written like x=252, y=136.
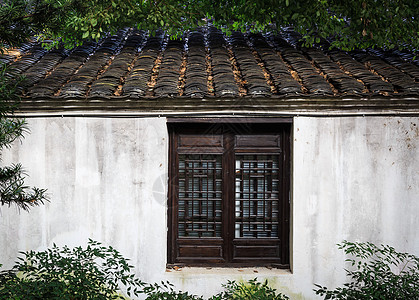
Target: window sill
x=257, y=271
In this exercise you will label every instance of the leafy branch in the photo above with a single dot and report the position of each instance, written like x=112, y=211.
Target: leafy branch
x=376, y=272
x=12, y=178
x=93, y=272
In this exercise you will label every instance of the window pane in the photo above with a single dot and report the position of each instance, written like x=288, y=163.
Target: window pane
x=200, y=193
x=257, y=196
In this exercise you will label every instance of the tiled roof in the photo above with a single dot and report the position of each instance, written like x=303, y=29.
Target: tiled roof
x=134, y=68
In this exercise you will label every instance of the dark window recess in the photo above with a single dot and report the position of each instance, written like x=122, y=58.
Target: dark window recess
x=229, y=194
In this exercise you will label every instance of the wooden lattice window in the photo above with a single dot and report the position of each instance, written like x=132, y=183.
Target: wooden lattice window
x=229, y=194
x=200, y=195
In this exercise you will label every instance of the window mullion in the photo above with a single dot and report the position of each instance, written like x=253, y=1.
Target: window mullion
x=242, y=212
x=228, y=195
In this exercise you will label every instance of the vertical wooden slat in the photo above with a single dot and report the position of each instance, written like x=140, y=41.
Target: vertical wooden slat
x=228, y=176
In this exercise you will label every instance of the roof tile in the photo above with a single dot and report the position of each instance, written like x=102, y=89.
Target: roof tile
x=139, y=65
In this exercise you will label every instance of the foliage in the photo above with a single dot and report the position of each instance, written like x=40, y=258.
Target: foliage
x=94, y=272
x=352, y=24
x=165, y=291
x=99, y=272
x=251, y=290
x=15, y=28
x=377, y=273
x=73, y=21
x=12, y=186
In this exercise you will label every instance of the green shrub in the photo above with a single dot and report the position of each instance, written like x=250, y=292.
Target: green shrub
x=377, y=273
x=99, y=272
x=251, y=290
x=94, y=272
x=165, y=291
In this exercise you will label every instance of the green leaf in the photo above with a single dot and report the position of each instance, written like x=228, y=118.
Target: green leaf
x=85, y=35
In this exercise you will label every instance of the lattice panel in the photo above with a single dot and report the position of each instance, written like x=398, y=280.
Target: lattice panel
x=257, y=196
x=200, y=195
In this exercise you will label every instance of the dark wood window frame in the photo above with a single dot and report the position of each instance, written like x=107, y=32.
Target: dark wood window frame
x=207, y=161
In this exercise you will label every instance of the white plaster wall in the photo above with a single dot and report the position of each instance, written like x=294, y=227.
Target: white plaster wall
x=354, y=178
x=104, y=177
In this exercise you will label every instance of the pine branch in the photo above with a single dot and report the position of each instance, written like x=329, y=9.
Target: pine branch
x=14, y=191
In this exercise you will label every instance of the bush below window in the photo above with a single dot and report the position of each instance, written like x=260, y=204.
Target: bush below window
x=94, y=272
x=99, y=272
x=377, y=272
